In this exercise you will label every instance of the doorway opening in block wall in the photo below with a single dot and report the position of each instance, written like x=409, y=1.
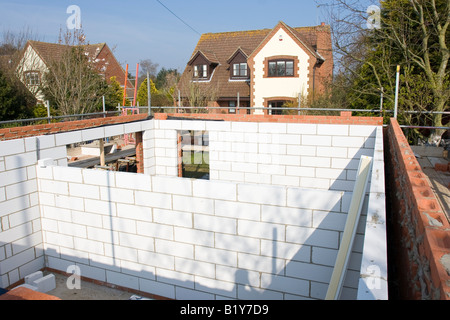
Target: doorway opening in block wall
x=117, y=153
x=193, y=154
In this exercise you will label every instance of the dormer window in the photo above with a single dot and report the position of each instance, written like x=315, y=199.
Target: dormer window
x=240, y=70
x=201, y=71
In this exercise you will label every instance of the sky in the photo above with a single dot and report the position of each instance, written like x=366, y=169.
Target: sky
x=164, y=31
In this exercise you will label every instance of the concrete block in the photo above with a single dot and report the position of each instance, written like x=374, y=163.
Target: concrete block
x=285, y=181
x=173, y=248
x=262, y=194
x=332, y=152
x=244, y=127
x=156, y=259
x=93, y=134
x=10, y=147
x=362, y=131
x=348, y=142
x=302, y=128
x=114, y=130
x=220, y=288
x=266, y=127
x=240, y=210
x=22, y=160
x=63, y=139
x=99, y=177
x=300, y=171
x=313, y=237
x=158, y=288
x=237, y=243
x=260, y=263
x=199, y=268
x=116, y=195
x=196, y=125
x=217, y=256
x=152, y=199
x=19, y=189
x=216, y=224
x=310, y=140
x=53, y=153
x=45, y=284
x=333, y=129
x=192, y=236
x=314, y=199
x=84, y=191
x=170, y=217
x=123, y=280
x=13, y=176
x=193, y=204
x=172, y=185
x=29, y=279
x=154, y=230
x=214, y=189
x=285, y=284
x=301, y=150
x=315, y=162
x=288, y=216
x=132, y=127
x=261, y=230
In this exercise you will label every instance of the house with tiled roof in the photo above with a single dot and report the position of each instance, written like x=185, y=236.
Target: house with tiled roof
x=38, y=56
x=259, y=69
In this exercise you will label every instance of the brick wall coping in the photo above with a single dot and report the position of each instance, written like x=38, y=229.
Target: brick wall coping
x=59, y=127
x=344, y=118
x=431, y=222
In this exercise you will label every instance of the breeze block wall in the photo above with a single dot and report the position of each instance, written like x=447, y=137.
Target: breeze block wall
x=421, y=231
x=185, y=238
x=21, y=246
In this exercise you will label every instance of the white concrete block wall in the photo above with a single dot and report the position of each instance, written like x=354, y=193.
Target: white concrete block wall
x=319, y=156
x=182, y=238
x=21, y=250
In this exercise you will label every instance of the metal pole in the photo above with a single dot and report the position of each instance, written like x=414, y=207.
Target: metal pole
x=47, y=104
x=396, y=92
x=135, y=84
x=104, y=107
x=381, y=99
x=238, y=103
x=125, y=86
x=149, y=96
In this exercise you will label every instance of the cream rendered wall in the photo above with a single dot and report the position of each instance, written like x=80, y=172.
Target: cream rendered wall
x=32, y=62
x=279, y=87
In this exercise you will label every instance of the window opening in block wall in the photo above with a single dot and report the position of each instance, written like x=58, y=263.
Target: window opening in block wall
x=193, y=154
x=119, y=154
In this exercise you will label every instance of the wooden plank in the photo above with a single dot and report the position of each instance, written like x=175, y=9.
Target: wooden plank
x=354, y=213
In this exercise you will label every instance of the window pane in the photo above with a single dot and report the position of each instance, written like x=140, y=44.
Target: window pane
x=272, y=69
x=196, y=71
x=289, y=68
x=281, y=68
x=243, y=69
x=236, y=69
x=205, y=71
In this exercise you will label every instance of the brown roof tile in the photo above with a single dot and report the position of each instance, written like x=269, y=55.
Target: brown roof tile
x=221, y=47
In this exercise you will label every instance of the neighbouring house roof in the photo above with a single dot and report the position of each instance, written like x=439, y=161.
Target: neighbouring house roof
x=100, y=54
x=220, y=48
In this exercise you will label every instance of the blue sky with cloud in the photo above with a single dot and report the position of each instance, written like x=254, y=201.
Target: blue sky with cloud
x=139, y=29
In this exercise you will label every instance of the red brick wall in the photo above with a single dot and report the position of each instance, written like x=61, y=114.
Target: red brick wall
x=420, y=230
x=345, y=118
x=42, y=129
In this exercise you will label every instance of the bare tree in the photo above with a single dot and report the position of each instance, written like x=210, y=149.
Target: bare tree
x=73, y=82
x=198, y=94
x=411, y=33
